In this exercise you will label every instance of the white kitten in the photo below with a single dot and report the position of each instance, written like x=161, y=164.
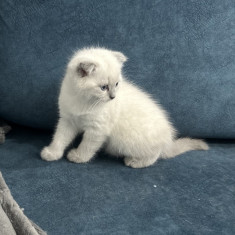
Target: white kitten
x=96, y=100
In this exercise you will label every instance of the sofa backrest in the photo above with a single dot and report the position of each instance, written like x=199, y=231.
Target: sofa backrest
x=182, y=52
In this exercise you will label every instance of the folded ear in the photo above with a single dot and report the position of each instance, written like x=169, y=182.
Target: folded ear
x=120, y=57
x=85, y=69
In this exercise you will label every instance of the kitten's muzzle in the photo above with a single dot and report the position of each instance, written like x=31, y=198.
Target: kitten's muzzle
x=112, y=94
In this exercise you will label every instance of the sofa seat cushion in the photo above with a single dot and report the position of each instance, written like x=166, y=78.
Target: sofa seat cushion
x=190, y=194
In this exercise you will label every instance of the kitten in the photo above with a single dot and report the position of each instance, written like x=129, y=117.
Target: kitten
x=96, y=100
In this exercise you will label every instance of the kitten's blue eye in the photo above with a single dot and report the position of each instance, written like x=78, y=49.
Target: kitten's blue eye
x=117, y=84
x=103, y=88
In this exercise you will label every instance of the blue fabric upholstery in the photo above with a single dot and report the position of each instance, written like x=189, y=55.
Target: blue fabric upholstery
x=182, y=52
x=190, y=194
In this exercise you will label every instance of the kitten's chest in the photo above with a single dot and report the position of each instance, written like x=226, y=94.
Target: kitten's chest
x=86, y=121
x=89, y=121
x=84, y=116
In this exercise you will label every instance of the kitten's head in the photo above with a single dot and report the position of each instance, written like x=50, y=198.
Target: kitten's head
x=96, y=73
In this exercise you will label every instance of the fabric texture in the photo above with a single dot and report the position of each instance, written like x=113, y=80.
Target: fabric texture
x=190, y=194
x=181, y=52
x=12, y=219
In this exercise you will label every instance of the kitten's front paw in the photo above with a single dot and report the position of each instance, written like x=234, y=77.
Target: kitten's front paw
x=49, y=155
x=73, y=156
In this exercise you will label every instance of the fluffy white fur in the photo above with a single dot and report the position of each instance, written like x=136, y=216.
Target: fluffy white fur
x=111, y=112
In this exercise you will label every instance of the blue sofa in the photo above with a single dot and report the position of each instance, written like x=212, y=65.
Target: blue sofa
x=183, y=54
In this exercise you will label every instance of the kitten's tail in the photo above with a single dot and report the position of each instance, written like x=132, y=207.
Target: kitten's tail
x=182, y=145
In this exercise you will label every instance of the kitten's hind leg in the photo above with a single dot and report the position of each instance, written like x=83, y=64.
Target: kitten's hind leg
x=138, y=163
x=141, y=162
x=91, y=143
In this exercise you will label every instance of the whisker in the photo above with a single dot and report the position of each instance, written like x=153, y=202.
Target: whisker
x=91, y=108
